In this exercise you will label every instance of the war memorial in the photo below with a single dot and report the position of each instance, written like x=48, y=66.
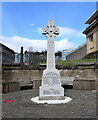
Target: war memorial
x=51, y=88
x=49, y=95
x=50, y=99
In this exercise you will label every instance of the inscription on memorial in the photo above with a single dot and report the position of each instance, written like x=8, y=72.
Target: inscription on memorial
x=51, y=78
x=51, y=92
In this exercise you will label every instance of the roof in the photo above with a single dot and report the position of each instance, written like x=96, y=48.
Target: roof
x=92, y=25
x=2, y=45
x=92, y=17
x=79, y=47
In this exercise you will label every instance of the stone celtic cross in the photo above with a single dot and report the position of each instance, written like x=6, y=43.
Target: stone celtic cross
x=50, y=31
x=51, y=88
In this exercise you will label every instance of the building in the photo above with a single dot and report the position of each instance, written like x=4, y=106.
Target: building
x=7, y=55
x=78, y=53
x=91, y=33
x=17, y=57
x=65, y=53
x=28, y=57
x=91, y=45
x=58, y=55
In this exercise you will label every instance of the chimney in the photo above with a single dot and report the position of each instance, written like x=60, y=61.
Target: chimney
x=21, y=57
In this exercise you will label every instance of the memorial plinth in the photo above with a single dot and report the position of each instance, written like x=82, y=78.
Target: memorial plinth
x=51, y=88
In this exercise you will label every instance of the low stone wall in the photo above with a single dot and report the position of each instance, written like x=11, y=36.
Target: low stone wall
x=36, y=84
x=15, y=75
x=96, y=80
x=10, y=87
x=84, y=77
x=84, y=84
x=0, y=87
x=20, y=78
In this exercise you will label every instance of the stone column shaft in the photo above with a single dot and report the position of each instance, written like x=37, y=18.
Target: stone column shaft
x=50, y=54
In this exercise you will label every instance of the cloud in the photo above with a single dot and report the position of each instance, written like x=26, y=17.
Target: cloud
x=63, y=44
x=16, y=42
x=64, y=31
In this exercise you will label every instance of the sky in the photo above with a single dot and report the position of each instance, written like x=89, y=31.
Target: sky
x=22, y=24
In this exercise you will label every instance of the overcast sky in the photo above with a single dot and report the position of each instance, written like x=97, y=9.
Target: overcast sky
x=22, y=23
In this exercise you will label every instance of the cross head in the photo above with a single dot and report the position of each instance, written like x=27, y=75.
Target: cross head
x=50, y=30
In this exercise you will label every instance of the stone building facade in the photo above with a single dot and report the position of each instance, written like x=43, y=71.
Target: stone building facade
x=91, y=45
x=7, y=55
x=78, y=53
x=91, y=33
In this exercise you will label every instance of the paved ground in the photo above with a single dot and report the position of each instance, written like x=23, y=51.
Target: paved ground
x=83, y=105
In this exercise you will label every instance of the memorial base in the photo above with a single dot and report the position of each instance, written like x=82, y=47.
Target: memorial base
x=51, y=88
x=36, y=100
x=52, y=98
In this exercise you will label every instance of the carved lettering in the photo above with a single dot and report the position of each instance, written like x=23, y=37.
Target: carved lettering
x=51, y=92
x=51, y=78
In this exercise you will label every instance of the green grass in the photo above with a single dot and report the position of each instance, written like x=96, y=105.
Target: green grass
x=73, y=62
x=68, y=62
x=63, y=63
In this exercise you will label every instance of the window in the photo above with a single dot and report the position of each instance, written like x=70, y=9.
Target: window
x=91, y=42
